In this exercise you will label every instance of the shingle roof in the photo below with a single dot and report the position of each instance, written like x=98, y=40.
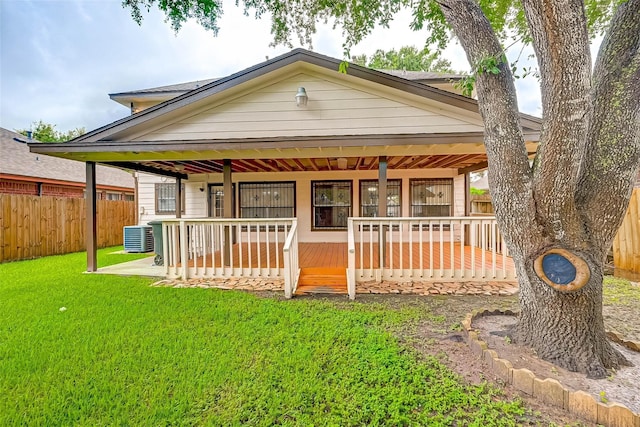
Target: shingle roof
x=15, y=159
x=180, y=87
x=419, y=76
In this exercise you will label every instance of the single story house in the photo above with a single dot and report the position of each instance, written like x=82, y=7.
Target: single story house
x=292, y=169
x=24, y=172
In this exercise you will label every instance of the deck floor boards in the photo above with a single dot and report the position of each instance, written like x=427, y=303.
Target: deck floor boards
x=334, y=255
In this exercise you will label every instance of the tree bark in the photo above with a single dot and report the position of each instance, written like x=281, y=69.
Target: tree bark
x=550, y=209
x=566, y=329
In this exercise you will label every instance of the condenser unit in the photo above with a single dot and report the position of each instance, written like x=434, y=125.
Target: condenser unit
x=138, y=238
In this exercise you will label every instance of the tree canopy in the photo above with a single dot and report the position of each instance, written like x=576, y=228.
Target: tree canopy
x=46, y=132
x=407, y=58
x=298, y=18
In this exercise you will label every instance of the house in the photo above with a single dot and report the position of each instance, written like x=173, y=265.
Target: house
x=291, y=165
x=24, y=172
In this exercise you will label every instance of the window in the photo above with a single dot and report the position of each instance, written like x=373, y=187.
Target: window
x=267, y=199
x=431, y=197
x=129, y=197
x=113, y=196
x=216, y=200
x=331, y=204
x=166, y=198
x=369, y=198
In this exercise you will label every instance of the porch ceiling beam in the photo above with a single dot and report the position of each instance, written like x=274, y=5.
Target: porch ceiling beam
x=415, y=161
x=314, y=165
x=258, y=166
x=240, y=166
x=428, y=161
x=142, y=168
x=400, y=162
x=267, y=164
x=445, y=161
x=300, y=165
x=208, y=166
x=462, y=159
x=283, y=164
x=359, y=162
x=473, y=168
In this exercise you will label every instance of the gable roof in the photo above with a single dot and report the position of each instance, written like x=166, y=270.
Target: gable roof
x=186, y=130
x=163, y=93
x=297, y=55
x=18, y=161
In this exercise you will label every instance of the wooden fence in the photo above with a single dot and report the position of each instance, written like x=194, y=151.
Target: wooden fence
x=626, y=246
x=32, y=226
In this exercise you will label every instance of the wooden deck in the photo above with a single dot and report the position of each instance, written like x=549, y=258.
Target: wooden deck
x=334, y=255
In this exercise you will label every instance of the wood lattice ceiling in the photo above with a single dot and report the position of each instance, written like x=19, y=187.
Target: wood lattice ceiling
x=457, y=161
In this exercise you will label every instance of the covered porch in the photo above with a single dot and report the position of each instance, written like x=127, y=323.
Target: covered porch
x=421, y=250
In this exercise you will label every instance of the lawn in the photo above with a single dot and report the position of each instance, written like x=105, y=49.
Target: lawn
x=85, y=349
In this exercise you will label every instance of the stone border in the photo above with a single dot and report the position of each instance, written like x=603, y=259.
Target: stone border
x=411, y=287
x=550, y=390
x=237, y=283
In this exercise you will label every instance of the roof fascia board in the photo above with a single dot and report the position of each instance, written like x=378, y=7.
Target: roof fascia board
x=266, y=143
x=148, y=169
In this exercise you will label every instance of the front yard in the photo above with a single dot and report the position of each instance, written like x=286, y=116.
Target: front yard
x=85, y=349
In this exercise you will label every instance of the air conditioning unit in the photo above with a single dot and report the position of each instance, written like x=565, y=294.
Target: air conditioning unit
x=138, y=238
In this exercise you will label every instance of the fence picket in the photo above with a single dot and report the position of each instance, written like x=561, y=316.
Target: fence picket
x=34, y=226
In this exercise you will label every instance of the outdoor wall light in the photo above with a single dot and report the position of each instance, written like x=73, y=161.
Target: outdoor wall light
x=301, y=97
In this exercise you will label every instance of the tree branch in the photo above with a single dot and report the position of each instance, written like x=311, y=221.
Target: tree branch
x=565, y=69
x=509, y=171
x=612, y=155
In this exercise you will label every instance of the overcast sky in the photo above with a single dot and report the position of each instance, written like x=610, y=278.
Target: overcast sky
x=61, y=58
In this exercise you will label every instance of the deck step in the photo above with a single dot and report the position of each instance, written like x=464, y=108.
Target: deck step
x=320, y=280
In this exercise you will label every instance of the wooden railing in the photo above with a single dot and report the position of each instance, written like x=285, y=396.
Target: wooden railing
x=291, y=261
x=208, y=248
x=426, y=249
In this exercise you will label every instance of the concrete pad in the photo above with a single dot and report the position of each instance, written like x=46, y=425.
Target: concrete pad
x=139, y=267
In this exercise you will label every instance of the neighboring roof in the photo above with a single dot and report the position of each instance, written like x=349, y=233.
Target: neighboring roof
x=18, y=161
x=425, y=77
x=163, y=93
x=160, y=93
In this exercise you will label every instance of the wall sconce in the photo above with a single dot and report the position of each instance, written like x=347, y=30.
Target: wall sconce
x=342, y=163
x=301, y=97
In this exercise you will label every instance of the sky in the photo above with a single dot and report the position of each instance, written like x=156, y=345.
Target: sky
x=61, y=58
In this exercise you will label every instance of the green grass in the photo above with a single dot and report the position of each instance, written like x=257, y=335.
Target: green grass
x=620, y=292
x=124, y=353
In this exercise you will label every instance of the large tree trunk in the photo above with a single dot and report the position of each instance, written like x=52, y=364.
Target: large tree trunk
x=566, y=328
x=559, y=217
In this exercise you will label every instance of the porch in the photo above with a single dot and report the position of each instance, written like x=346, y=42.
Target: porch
x=408, y=250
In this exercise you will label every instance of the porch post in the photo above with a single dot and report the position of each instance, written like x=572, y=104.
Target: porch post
x=92, y=229
x=178, y=198
x=382, y=204
x=382, y=186
x=467, y=205
x=227, y=191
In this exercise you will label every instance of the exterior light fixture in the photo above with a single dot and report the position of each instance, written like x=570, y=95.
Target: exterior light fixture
x=301, y=97
x=342, y=163
x=179, y=167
